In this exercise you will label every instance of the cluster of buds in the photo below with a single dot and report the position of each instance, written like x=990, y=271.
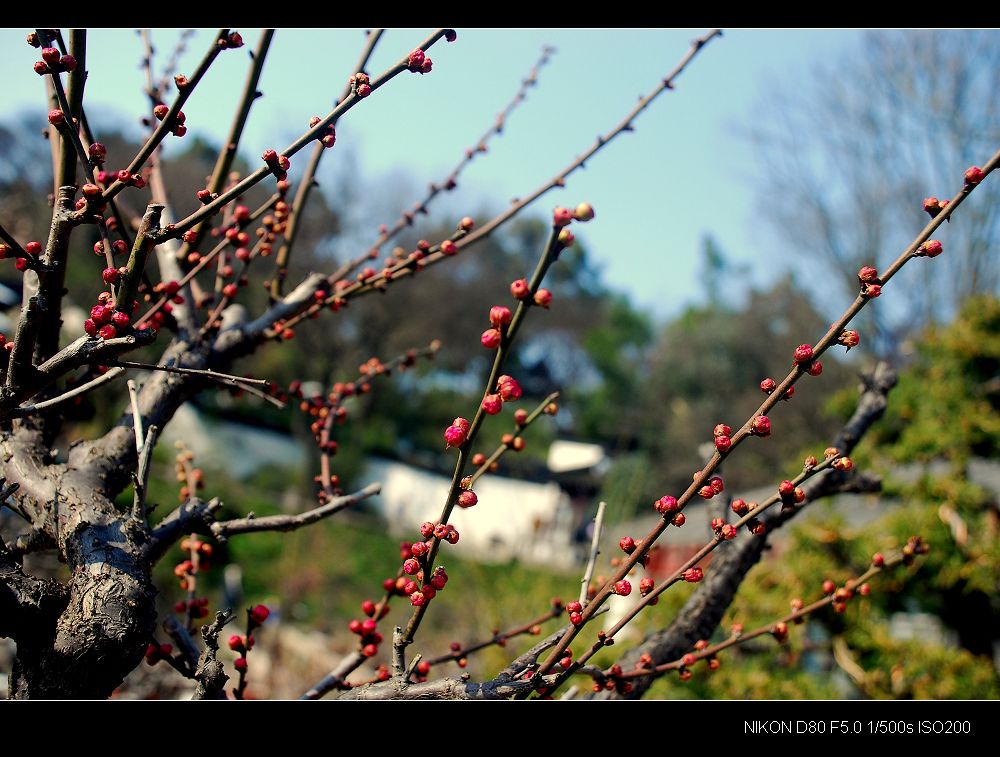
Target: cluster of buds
x=441, y=531
x=790, y=495
x=106, y=322
x=418, y=587
x=370, y=638
x=612, y=680
x=196, y=607
x=723, y=438
x=52, y=62
x=279, y=164
x=22, y=263
x=156, y=652
x=419, y=63
x=231, y=41
x=186, y=474
x=915, y=545
x=741, y=508
x=562, y=217
x=118, y=247
x=176, y=125
x=360, y=84
x=714, y=486
x=329, y=134
x=500, y=318
x=256, y=616
x=669, y=507
x=507, y=390
x=803, y=356
x=871, y=284
x=723, y=530
x=521, y=290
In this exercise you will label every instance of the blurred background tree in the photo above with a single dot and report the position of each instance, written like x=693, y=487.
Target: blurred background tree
x=848, y=147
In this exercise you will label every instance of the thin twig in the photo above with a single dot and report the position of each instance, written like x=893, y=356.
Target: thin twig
x=141, y=478
x=224, y=529
x=133, y=397
x=595, y=550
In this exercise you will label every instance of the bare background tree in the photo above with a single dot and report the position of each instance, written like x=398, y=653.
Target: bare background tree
x=858, y=137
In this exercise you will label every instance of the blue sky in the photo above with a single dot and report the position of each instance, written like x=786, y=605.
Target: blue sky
x=686, y=171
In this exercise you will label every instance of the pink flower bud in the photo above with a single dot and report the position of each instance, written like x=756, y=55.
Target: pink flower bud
x=500, y=315
x=973, y=175
x=543, y=297
x=520, y=289
x=491, y=339
x=492, y=404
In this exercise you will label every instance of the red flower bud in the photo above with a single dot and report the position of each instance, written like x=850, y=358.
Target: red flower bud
x=803, y=353
x=50, y=55
x=108, y=331
x=878, y=560
x=931, y=248
x=363, y=90
x=56, y=117
x=623, y=588
x=768, y=385
x=867, y=275
x=259, y=613
x=740, y=507
x=454, y=436
x=666, y=504
x=510, y=390
x=973, y=175
x=679, y=520
x=467, y=499
x=815, y=368
x=67, y=63
x=693, y=575
x=449, y=248
x=627, y=544
x=760, y=426
x=722, y=430
x=236, y=643
x=723, y=443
